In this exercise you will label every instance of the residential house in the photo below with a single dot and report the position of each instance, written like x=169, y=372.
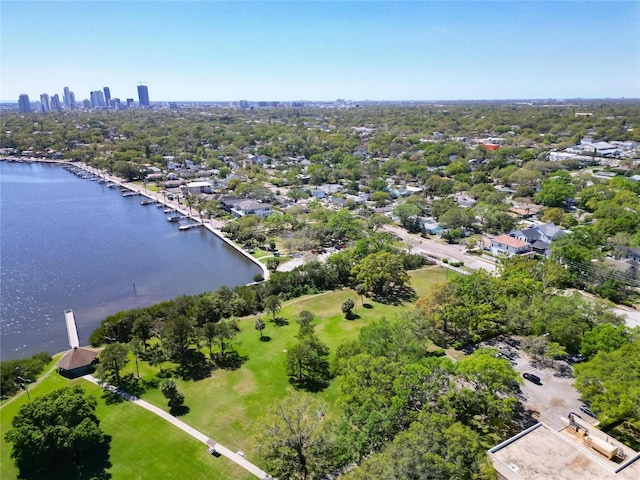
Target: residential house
x=506, y=245
x=539, y=236
x=227, y=202
x=430, y=226
x=194, y=188
x=251, y=207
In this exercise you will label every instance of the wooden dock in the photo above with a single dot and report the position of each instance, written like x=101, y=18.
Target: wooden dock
x=72, y=331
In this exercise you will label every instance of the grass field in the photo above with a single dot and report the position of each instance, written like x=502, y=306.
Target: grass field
x=231, y=405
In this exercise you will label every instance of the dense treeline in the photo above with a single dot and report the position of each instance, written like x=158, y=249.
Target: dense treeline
x=28, y=368
x=523, y=300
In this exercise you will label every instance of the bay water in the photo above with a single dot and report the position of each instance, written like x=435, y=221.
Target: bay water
x=72, y=243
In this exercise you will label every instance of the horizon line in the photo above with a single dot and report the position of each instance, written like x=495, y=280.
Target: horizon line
x=512, y=99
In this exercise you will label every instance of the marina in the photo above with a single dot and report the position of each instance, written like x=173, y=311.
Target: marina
x=103, y=243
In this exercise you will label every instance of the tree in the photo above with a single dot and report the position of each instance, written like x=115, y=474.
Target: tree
x=170, y=391
x=272, y=304
x=347, y=308
x=209, y=333
x=142, y=328
x=408, y=214
x=305, y=318
x=436, y=447
x=226, y=330
x=610, y=382
x=58, y=435
x=272, y=264
x=602, y=338
x=307, y=363
x=259, y=325
x=381, y=273
x=113, y=358
x=361, y=290
x=555, y=190
x=298, y=441
x=176, y=333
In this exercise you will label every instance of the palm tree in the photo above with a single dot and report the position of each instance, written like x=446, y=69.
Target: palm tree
x=260, y=326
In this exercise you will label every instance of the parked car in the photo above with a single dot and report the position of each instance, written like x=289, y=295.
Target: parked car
x=577, y=358
x=587, y=410
x=532, y=378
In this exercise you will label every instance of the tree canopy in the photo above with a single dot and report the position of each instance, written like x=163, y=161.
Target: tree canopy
x=57, y=435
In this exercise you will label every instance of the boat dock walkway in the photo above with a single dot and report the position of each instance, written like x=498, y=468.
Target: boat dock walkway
x=72, y=331
x=190, y=226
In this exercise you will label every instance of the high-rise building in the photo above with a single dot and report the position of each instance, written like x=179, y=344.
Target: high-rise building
x=24, y=103
x=129, y=102
x=244, y=104
x=66, y=98
x=55, y=103
x=107, y=96
x=86, y=104
x=143, y=95
x=72, y=100
x=115, y=104
x=97, y=99
x=45, y=103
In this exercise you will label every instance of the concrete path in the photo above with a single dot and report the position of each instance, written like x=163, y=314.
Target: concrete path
x=221, y=449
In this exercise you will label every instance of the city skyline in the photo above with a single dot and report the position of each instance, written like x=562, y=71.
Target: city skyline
x=321, y=51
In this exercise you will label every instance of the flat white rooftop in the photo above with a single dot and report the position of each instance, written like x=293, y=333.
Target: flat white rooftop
x=541, y=453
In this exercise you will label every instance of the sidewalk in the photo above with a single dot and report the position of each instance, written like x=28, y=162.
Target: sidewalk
x=221, y=449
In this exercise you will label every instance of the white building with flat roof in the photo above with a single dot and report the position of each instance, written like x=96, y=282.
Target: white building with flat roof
x=576, y=452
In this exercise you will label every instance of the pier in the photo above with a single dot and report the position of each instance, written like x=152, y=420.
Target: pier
x=190, y=226
x=72, y=331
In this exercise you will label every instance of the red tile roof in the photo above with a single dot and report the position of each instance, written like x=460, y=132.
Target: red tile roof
x=509, y=241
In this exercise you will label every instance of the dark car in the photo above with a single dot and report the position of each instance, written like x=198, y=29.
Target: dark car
x=587, y=410
x=532, y=378
x=577, y=358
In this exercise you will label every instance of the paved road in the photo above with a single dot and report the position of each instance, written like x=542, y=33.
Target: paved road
x=455, y=252
x=221, y=449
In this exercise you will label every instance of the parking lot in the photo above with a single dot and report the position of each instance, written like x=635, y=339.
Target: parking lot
x=552, y=400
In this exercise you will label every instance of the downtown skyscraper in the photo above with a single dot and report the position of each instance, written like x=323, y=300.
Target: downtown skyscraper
x=69, y=99
x=143, y=95
x=24, y=103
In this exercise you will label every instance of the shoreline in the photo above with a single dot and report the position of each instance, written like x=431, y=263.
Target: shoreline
x=156, y=197
x=205, y=255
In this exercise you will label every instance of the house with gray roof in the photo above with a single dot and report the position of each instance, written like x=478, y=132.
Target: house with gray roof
x=251, y=207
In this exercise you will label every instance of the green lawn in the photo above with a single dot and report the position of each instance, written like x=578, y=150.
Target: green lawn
x=142, y=444
x=229, y=406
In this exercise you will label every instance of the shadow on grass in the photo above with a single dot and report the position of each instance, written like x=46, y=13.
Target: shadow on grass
x=153, y=383
x=265, y=338
x=353, y=316
x=396, y=296
x=230, y=360
x=179, y=411
x=93, y=462
x=313, y=385
x=130, y=384
x=367, y=305
x=279, y=321
x=194, y=366
x=165, y=373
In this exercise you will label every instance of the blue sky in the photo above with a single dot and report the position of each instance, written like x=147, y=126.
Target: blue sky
x=312, y=50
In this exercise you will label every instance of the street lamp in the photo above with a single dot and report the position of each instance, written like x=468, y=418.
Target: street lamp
x=22, y=383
